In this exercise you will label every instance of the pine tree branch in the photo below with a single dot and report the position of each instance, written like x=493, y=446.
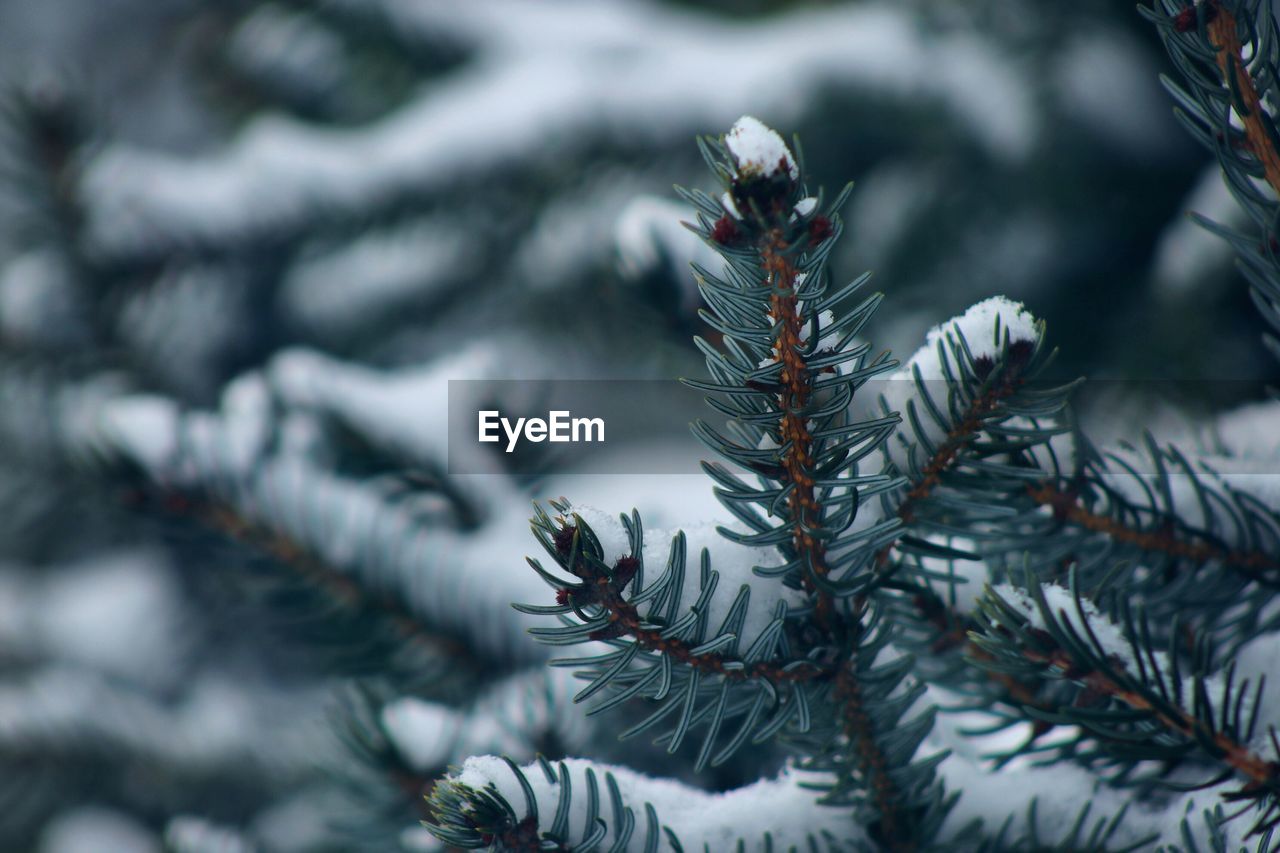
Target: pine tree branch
x=1226, y=53
x=961, y=435
x=953, y=630
x=806, y=511
x=966, y=430
x=341, y=586
x=953, y=626
x=605, y=590
x=1259, y=131
x=885, y=792
x=789, y=426
x=1260, y=775
x=1038, y=638
x=1066, y=507
x=806, y=515
x=223, y=518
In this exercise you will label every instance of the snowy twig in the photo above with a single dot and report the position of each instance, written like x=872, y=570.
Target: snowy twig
x=1041, y=634
x=605, y=589
x=1066, y=506
x=341, y=587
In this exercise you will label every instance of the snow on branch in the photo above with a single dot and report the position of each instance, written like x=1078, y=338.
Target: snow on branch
x=514, y=717
x=216, y=727
x=1133, y=697
x=758, y=150
x=681, y=72
x=733, y=563
x=243, y=457
x=961, y=348
x=399, y=268
x=575, y=800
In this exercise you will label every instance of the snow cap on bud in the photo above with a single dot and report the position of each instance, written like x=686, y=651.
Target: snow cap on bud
x=758, y=150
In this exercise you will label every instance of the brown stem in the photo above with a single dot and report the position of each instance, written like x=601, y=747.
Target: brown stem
x=892, y=830
x=624, y=618
x=797, y=385
x=1259, y=772
x=959, y=437
x=1223, y=34
x=1066, y=507
x=953, y=628
x=806, y=514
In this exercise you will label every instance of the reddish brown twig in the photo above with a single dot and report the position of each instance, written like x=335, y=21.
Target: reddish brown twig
x=1066, y=507
x=1223, y=34
x=796, y=380
x=872, y=762
x=1258, y=772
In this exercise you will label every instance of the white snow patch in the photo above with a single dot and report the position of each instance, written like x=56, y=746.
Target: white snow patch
x=406, y=410
x=758, y=150
x=1189, y=257
x=978, y=327
x=96, y=830
x=539, y=79
x=120, y=614
x=145, y=427
x=423, y=732
x=1251, y=431
x=779, y=807
x=1060, y=792
x=247, y=418
x=649, y=233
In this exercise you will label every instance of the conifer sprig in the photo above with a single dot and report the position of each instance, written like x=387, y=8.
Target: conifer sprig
x=975, y=462
x=785, y=373
x=1162, y=539
x=1227, y=53
x=1133, y=699
x=1186, y=540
